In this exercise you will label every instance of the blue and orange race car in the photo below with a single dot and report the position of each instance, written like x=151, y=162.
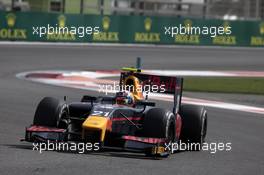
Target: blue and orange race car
x=127, y=120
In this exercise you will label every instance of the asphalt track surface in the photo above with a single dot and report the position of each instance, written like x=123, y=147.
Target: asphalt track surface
x=19, y=99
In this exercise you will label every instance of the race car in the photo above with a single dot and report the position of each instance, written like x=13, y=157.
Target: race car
x=126, y=120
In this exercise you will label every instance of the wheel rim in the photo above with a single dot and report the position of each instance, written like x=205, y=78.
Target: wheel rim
x=170, y=137
x=62, y=122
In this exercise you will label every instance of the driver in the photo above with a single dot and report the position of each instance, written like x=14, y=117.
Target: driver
x=125, y=98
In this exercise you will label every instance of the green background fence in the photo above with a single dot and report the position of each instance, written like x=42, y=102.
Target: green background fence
x=127, y=29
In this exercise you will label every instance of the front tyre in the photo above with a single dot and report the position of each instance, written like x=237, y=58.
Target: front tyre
x=159, y=123
x=51, y=112
x=194, y=126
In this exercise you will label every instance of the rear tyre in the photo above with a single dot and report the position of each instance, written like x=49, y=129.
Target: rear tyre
x=51, y=112
x=159, y=123
x=194, y=126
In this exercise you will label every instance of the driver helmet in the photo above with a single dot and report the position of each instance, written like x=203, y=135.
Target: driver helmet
x=124, y=98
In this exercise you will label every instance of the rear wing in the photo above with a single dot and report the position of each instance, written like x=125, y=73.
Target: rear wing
x=163, y=85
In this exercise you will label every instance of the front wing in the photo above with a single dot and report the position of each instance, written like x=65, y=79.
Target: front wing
x=154, y=146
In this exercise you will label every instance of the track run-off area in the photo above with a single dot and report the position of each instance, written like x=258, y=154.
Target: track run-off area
x=94, y=81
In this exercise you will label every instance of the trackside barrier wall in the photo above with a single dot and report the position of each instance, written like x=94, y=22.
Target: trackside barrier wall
x=18, y=26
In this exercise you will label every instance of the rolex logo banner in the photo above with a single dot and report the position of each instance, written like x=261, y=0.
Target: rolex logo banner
x=34, y=26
